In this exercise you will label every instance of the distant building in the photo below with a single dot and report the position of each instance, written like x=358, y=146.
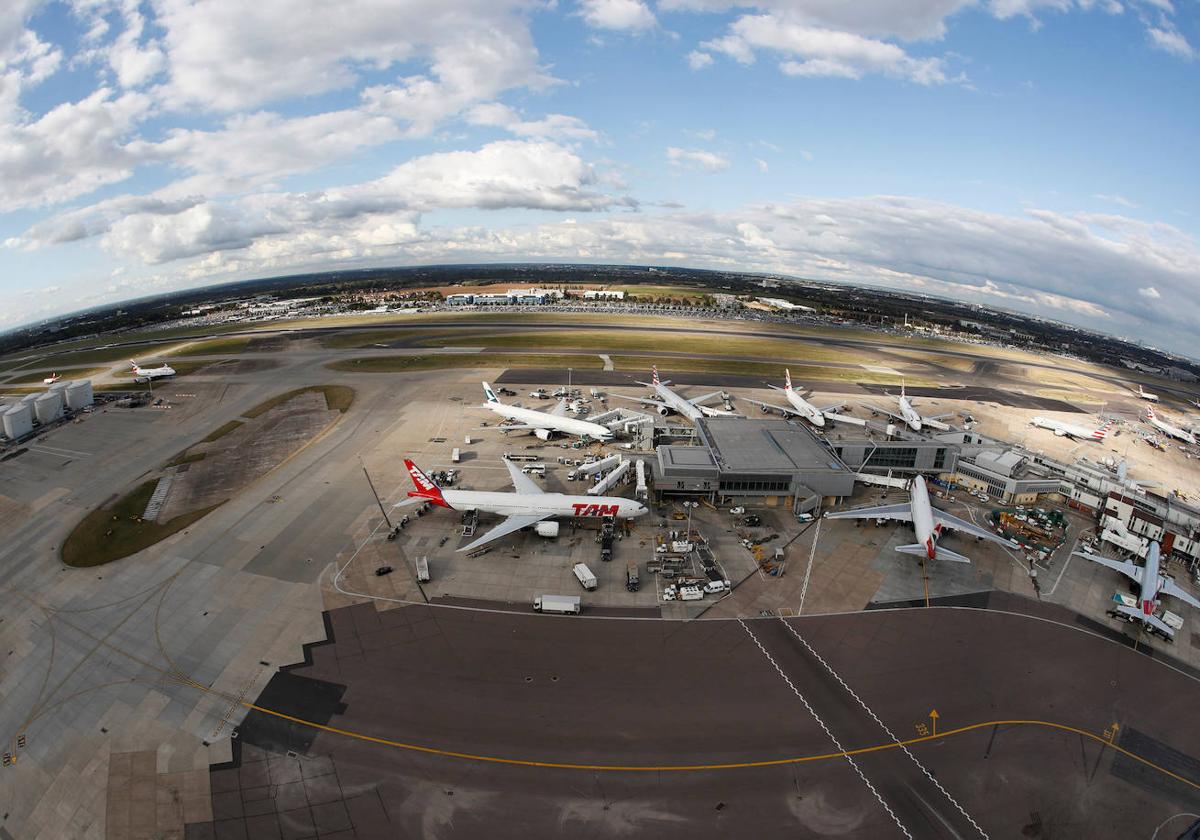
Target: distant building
x=460, y=299
x=785, y=305
x=603, y=294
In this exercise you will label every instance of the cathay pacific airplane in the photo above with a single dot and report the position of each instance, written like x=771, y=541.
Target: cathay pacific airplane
x=544, y=423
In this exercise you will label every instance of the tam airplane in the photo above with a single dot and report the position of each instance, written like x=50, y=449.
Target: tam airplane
x=529, y=505
x=1167, y=428
x=910, y=416
x=51, y=379
x=1153, y=584
x=544, y=423
x=146, y=374
x=801, y=407
x=1145, y=396
x=928, y=522
x=668, y=401
x=1071, y=430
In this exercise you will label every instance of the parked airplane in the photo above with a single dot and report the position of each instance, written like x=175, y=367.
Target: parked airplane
x=928, y=523
x=801, y=407
x=1145, y=396
x=51, y=379
x=1163, y=426
x=543, y=423
x=1153, y=583
x=529, y=505
x=142, y=374
x=910, y=415
x=669, y=401
x=1071, y=430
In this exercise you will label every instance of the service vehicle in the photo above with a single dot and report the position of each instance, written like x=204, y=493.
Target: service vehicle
x=561, y=604
x=584, y=575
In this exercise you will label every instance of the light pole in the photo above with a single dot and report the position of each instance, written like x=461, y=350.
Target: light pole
x=691, y=506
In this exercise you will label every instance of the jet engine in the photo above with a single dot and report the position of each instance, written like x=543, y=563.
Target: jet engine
x=663, y=410
x=543, y=434
x=546, y=529
x=1059, y=433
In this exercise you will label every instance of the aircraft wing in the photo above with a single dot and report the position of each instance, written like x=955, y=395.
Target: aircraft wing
x=940, y=517
x=559, y=410
x=1171, y=588
x=697, y=400
x=886, y=411
x=935, y=423
x=901, y=512
x=508, y=526
x=505, y=427
x=843, y=418
x=1130, y=570
x=780, y=408
x=642, y=400
x=716, y=412
x=521, y=482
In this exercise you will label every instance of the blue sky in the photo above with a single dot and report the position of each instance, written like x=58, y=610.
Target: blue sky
x=1031, y=154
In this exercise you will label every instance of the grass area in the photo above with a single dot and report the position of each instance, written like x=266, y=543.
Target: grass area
x=221, y=431
x=36, y=377
x=436, y=361
x=769, y=371
x=364, y=338
x=724, y=345
x=337, y=398
x=234, y=344
x=110, y=533
x=183, y=458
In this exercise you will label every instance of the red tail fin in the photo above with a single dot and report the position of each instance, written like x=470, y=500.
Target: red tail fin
x=426, y=489
x=654, y=374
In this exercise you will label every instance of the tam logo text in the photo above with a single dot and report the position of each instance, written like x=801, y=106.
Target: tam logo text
x=584, y=509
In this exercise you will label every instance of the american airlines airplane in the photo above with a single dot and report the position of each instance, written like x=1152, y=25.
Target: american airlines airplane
x=669, y=401
x=928, y=522
x=529, y=505
x=801, y=407
x=1163, y=426
x=910, y=415
x=1145, y=396
x=1071, y=430
x=1153, y=584
x=544, y=423
x=142, y=374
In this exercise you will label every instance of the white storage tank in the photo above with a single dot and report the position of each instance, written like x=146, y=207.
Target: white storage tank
x=60, y=385
x=48, y=407
x=18, y=421
x=79, y=394
x=29, y=398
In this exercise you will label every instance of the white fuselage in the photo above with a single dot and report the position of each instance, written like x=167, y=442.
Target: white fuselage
x=549, y=504
x=677, y=403
x=911, y=416
x=567, y=425
x=1173, y=431
x=1146, y=396
x=804, y=408
x=1065, y=429
x=922, y=517
x=1151, y=582
x=153, y=373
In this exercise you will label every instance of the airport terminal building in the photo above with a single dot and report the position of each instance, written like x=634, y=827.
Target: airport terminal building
x=771, y=462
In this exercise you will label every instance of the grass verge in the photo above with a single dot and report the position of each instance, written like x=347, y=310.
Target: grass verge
x=110, y=533
x=337, y=398
x=214, y=346
x=221, y=431
x=435, y=361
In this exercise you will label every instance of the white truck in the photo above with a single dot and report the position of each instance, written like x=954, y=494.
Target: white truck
x=585, y=576
x=423, y=569
x=455, y=456
x=561, y=604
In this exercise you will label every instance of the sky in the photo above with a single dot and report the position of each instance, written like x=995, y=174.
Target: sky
x=1037, y=155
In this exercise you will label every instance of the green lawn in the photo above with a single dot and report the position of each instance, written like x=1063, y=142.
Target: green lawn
x=116, y=531
x=36, y=377
x=769, y=371
x=337, y=398
x=401, y=364
x=234, y=344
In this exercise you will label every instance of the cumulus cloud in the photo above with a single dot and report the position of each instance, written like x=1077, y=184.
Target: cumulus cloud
x=553, y=126
x=697, y=159
x=617, y=14
x=1170, y=40
x=1149, y=292
x=699, y=60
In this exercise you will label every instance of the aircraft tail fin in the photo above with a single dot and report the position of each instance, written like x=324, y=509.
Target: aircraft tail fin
x=654, y=374
x=1150, y=412
x=426, y=489
x=490, y=394
x=787, y=379
x=1102, y=431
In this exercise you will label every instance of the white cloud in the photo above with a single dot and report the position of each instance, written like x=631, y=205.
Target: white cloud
x=699, y=60
x=553, y=126
x=1170, y=40
x=912, y=20
x=813, y=51
x=697, y=159
x=617, y=14
x=1149, y=292
x=1115, y=199
x=763, y=166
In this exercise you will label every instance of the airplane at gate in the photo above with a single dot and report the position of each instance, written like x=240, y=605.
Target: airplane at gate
x=1071, y=430
x=1164, y=426
x=1146, y=396
x=801, y=407
x=928, y=522
x=668, y=401
x=1153, y=583
x=543, y=423
x=528, y=505
x=146, y=374
x=910, y=416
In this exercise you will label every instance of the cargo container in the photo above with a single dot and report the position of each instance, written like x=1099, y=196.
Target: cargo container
x=585, y=576
x=562, y=604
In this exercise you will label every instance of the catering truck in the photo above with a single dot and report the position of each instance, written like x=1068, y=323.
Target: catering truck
x=585, y=576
